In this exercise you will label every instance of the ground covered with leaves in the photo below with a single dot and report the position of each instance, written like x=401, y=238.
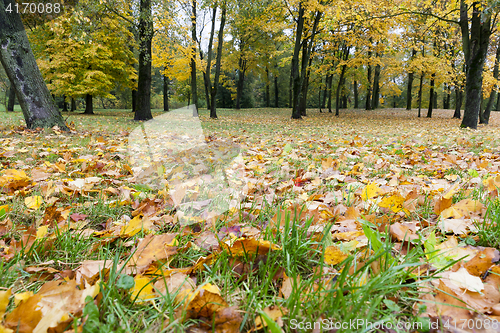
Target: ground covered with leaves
x=372, y=220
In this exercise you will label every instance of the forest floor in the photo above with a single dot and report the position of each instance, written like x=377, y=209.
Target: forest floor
x=374, y=219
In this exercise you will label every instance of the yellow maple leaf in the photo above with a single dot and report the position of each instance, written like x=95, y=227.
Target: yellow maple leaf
x=371, y=191
x=33, y=202
x=394, y=203
x=333, y=255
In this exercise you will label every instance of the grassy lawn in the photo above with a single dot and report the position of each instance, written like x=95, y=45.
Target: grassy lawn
x=347, y=222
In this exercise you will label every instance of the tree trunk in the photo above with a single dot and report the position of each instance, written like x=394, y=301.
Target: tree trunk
x=165, y=93
x=410, y=83
x=498, y=103
x=475, y=47
x=194, y=91
x=12, y=98
x=38, y=107
x=325, y=90
x=431, y=96
x=369, y=85
x=268, y=88
x=339, y=88
x=241, y=80
x=435, y=100
x=276, y=91
x=330, y=84
x=89, y=107
x=376, y=87
x=295, y=78
x=420, y=93
x=208, y=69
x=65, y=104
x=458, y=103
x=143, y=98
x=493, y=94
x=356, y=97
x=220, y=41
x=73, y=104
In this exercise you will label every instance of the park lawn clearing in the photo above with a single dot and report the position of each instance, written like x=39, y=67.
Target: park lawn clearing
x=372, y=218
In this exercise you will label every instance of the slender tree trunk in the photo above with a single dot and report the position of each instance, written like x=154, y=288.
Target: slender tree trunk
x=12, y=98
x=89, y=106
x=458, y=103
x=498, y=103
x=295, y=63
x=369, y=84
x=339, y=88
x=143, y=98
x=241, y=81
x=356, y=97
x=268, y=88
x=194, y=89
x=325, y=90
x=276, y=91
x=17, y=58
x=493, y=94
x=420, y=93
x=65, y=104
x=208, y=69
x=435, y=100
x=431, y=96
x=376, y=87
x=165, y=93
x=73, y=104
x=475, y=47
x=220, y=41
x=410, y=83
x=330, y=84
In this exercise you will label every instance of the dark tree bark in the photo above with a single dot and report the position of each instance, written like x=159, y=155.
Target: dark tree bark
x=410, y=83
x=356, y=96
x=65, y=104
x=38, y=107
x=242, y=68
x=143, y=98
x=330, y=84
x=300, y=77
x=493, y=94
x=458, y=102
x=420, y=94
x=295, y=77
x=194, y=91
x=276, y=91
x=220, y=37
x=208, y=69
x=325, y=90
x=166, y=81
x=89, y=106
x=268, y=88
x=12, y=98
x=498, y=102
x=435, y=100
x=345, y=56
x=475, y=46
x=369, y=84
x=73, y=104
x=376, y=87
x=431, y=96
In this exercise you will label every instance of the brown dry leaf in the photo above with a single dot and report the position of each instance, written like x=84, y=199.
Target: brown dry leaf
x=205, y=302
x=334, y=256
x=153, y=248
x=178, y=284
x=482, y=261
x=90, y=269
x=287, y=286
x=207, y=240
x=457, y=226
x=402, y=232
x=25, y=317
